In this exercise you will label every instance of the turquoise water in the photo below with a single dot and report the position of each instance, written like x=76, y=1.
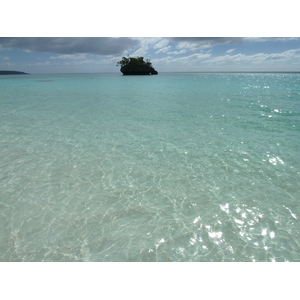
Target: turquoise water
x=174, y=167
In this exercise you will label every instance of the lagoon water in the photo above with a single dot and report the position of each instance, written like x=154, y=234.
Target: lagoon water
x=174, y=167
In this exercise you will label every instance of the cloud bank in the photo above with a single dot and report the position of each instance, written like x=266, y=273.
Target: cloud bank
x=100, y=54
x=118, y=46
x=71, y=45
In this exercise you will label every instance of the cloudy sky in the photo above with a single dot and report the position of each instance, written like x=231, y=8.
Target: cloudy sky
x=174, y=54
x=68, y=37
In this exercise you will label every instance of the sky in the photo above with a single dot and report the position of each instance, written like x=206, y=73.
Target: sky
x=168, y=54
x=211, y=36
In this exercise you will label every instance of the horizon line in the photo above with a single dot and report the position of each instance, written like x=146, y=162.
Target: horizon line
x=111, y=72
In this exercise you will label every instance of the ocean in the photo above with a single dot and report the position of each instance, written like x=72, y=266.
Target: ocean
x=181, y=167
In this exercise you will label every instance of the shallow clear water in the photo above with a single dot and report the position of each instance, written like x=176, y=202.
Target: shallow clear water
x=174, y=167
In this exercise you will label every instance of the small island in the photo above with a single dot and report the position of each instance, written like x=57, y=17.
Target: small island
x=136, y=66
x=12, y=73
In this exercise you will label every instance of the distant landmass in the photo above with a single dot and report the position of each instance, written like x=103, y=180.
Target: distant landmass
x=13, y=73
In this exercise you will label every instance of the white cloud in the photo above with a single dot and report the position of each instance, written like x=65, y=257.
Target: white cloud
x=193, y=57
x=7, y=64
x=177, y=52
x=45, y=63
x=87, y=62
x=261, y=59
x=69, y=56
x=145, y=44
x=269, y=39
x=193, y=43
x=162, y=61
x=226, y=59
x=160, y=43
x=108, y=61
x=185, y=60
x=163, y=50
x=191, y=46
x=204, y=61
x=230, y=50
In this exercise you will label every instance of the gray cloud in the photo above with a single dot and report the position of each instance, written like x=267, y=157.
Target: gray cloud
x=203, y=42
x=115, y=46
x=207, y=41
x=211, y=40
x=71, y=45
